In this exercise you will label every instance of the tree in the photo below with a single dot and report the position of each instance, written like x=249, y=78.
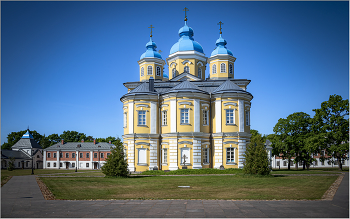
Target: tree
x=256, y=160
x=11, y=165
x=290, y=136
x=116, y=164
x=72, y=136
x=332, y=127
x=53, y=139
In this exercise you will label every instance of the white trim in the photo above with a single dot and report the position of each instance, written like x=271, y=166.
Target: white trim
x=142, y=105
x=131, y=117
x=218, y=116
x=185, y=103
x=173, y=63
x=172, y=115
x=200, y=63
x=153, y=118
x=151, y=69
x=230, y=103
x=241, y=115
x=197, y=116
x=187, y=61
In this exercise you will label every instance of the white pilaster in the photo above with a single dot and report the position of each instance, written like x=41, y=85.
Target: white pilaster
x=153, y=158
x=173, y=154
x=153, y=118
x=91, y=163
x=44, y=159
x=196, y=117
x=241, y=115
x=131, y=117
x=218, y=153
x=197, y=154
x=218, y=117
x=241, y=151
x=131, y=156
x=77, y=159
x=58, y=159
x=173, y=115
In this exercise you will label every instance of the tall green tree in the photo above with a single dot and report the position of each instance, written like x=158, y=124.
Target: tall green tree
x=331, y=127
x=72, y=136
x=290, y=136
x=116, y=165
x=256, y=160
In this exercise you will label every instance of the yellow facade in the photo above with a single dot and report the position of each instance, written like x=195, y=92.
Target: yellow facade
x=190, y=65
x=151, y=68
x=224, y=67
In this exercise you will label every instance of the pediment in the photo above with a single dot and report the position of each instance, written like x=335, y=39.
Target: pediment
x=186, y=77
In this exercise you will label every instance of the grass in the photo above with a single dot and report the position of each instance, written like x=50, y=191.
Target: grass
x=310, y=171
x=202, y=187
x=192, y=171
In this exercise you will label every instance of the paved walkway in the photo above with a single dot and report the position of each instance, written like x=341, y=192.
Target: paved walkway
x=21, y=197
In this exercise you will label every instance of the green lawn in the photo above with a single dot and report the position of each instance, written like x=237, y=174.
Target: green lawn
x=202, y=187
x=193, y=171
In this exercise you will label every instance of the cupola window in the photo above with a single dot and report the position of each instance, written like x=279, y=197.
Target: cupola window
x=158, y=71
x=231, y=69
x=149, y=70
x=222, y=68
x=199, y=72
x=186, y=69
x=214, y=69
x=174, y=72
x=142, y=71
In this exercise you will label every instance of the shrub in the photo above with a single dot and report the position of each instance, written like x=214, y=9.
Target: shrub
x=11, y=165
x=256, y=160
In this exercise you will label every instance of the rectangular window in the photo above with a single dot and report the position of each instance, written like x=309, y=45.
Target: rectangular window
x=142, y=117
x=205, y=117
x=73, y=164
x=230, y=155
x=230, y=116
x=61, y=155
x=184, y=116
x=48, y=164
x=101, y=155
x=247, y=118
x=108, y=154
x=206, y=155
x=87, y=164
x=142, y=156
x=60, y=164
x=87, y=155
x=125, y=119
x=67, y=155
x=95, y=155
x=81, y=155
x=278, y=163
x=284, y=163
x=164, y=117
x=48, y=155
x=54, y=155
x=73, y=155
x=54, y=164
x=316, y=163
x=165, y=156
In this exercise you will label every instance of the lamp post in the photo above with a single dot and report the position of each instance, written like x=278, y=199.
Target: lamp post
x=32, y=163
x=76, y=165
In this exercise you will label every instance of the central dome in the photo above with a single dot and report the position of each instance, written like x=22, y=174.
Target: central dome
x=186, y=41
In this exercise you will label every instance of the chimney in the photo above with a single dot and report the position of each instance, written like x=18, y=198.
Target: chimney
x=82, y=140
x=94, y=141
x=62, y=141
x=110, y=142
x=151, y=84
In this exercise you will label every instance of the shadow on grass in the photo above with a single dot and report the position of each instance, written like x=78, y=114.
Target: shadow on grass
x=279, y=176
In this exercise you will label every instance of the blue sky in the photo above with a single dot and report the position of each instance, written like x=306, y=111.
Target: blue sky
x=63, y=64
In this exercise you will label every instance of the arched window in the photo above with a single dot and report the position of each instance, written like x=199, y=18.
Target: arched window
x=186, y=69
x=199, y=72
x=149, y=70
x=158, y=71
x=174, y=72
x=231, y=69
x=142, y=71
x=222, y=68
x=214, y=69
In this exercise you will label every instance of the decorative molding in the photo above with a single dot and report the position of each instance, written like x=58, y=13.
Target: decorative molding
x=187, y=61
x=200, y=63
x=185, y=103
x=164, y=143
x=142, y=143
x=230, y=142
x=230, y=103
x=173, y=63
x=205, y=104
x=125, y=107
x=164, y=105
x=185, y=142
x=205, y=143
x=142, y=105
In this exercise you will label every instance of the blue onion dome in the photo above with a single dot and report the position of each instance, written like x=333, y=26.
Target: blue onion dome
x=221, y=47
x=151, y=50
x=186, y=41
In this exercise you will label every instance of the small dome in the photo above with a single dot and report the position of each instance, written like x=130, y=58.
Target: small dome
x=221, y=47
x=151, y=51
x=186, y=41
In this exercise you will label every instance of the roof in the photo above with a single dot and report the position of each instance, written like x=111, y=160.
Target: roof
x=186, y=41
x=6, y=154
x=186, y=86
x=26, y=143
x=229, y=87
x=141, y=89
x=151, y=50
x=81, y=146
x=27, y=135
x=221, y=47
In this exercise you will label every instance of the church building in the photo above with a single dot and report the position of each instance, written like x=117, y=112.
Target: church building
x=186, y=120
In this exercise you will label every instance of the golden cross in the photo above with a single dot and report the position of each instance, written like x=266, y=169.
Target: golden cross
x=151, y=29
x=220, y=23
x=160, y=51
x=185, y=9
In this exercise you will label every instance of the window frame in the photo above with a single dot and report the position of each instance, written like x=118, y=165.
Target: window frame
x=142, y=71
x=54, y=155
x=229, y=152
x=205, y=116
x=165, y=156
x=174, y=72
x=247, y=118
x=222, y=67
x=158, y=71
x=230, y=67
x=61, y=155
x=73, y=155
x=182, y=116
x=140, y=113
x=188, y=68
x=164, y=118
x=88, y=155
x=138, y=156
x=101, y=155
x=48, y=164
x=67, y=155
x=150, y=70
x=206, y=156
x=54, y=164
x=125, y=116
x=48, y=155
x=213, y=69
x=87, y=165
x=228, y=122
x=199, y=73
x=95, y=155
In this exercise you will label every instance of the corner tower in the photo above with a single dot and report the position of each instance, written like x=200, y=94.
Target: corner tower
x=186, y=56
x=151, y=62
x=221, y=61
